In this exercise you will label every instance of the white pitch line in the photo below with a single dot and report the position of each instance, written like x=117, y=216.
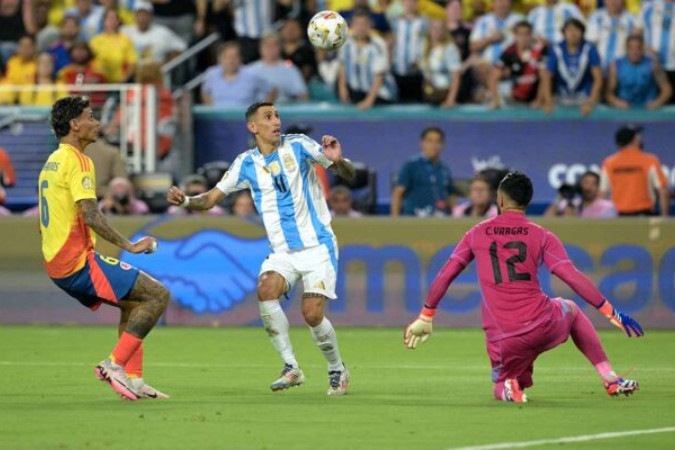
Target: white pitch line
x=187, y=365
x=566, y=440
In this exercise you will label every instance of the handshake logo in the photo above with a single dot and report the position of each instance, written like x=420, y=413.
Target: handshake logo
x=209, y=272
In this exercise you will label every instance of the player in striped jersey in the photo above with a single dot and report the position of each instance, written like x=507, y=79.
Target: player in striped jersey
x=608, y=29
x=409, y=32
x=547, y=20
x=657, y=21
x=280, y=174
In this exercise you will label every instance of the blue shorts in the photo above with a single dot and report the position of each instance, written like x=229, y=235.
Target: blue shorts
x=101, y=278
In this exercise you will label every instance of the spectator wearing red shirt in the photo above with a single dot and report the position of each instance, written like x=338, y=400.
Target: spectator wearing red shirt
x=80, y=71
x=521, y=62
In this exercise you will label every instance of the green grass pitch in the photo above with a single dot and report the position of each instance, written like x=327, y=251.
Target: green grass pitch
x=436, y=397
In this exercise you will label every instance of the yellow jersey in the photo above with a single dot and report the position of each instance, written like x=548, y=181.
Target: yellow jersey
x=41, y=97
x=66, y=177
x=115, y=53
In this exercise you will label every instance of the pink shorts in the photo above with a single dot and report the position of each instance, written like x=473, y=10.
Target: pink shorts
x=514, y=357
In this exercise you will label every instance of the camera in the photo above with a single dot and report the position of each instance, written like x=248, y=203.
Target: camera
x=569, y=191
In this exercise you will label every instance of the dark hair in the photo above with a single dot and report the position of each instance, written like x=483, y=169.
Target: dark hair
x=590, y=173
x=81, y=44
x=522, y=24
x=117, y=15
x=428, y=130
x=65, y=110
x=251, y=110
x=361, y=11
x=635, y=37
x=518, y=187
x=576, y=23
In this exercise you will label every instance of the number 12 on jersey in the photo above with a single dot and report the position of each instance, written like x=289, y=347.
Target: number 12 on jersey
x=510, y=263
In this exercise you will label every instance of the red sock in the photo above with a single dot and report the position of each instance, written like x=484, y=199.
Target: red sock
x=134, y=367
x=125, y=348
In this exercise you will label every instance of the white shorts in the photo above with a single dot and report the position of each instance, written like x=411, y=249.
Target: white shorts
x=317, y=266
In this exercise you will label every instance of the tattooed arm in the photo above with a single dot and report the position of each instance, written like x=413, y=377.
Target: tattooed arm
x=333, y=151
x=343, y=168
x=97, y=222
x=200, y=202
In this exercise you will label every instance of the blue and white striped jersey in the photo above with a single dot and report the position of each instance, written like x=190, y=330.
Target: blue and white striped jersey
x=409, y=35
x=490, y=24
x=253, y=18
x=286, y=192
x=548, y=22
x=609, y=34
x=657, y=19
x=362, y=62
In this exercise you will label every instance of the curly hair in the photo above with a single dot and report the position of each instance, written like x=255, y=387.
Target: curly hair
x=65, y=110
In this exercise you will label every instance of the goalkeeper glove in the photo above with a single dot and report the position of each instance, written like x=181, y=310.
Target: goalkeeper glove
x=627, y=324
x=419, y=330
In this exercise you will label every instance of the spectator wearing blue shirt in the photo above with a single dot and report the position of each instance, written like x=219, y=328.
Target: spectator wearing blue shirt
x=424, y=186
x=657, y=23
x=284, y=76
x=230, y=85
x=60, y=50
x=637, y=80
x=573, y=70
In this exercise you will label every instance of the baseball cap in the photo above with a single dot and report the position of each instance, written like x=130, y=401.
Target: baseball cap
x=625, y=134
x=144, y=6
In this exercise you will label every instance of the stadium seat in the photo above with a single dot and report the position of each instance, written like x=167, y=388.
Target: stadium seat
x=152, y=189
x=213, y=172
x=363, y=187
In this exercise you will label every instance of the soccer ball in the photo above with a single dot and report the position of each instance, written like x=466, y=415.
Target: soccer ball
x=327, y=30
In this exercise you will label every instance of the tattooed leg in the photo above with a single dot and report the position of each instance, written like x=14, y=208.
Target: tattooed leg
x=151, y=298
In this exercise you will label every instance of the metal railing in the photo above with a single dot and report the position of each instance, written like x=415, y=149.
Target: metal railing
x=186, y=57
x=137, y=116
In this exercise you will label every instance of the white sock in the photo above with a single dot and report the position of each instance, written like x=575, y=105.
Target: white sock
x=276, y=324
x=325, y=338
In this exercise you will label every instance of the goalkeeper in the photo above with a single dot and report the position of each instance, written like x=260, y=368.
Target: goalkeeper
x=519, y=319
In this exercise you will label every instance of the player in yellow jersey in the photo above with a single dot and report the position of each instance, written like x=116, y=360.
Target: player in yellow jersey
x=69, y=216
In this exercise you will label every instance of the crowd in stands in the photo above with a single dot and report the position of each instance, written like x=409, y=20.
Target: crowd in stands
x=540, y=53
x=443, y=52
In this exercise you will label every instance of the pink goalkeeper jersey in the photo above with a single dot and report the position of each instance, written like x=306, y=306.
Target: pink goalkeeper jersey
x=509, y=250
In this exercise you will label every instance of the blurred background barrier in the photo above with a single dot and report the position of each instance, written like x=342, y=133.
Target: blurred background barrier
x=386, y=266
x=552, y=149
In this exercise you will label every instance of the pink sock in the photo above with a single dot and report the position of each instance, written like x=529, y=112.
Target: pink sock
x=605, y=370
x=588, y=342
x=498, y=390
